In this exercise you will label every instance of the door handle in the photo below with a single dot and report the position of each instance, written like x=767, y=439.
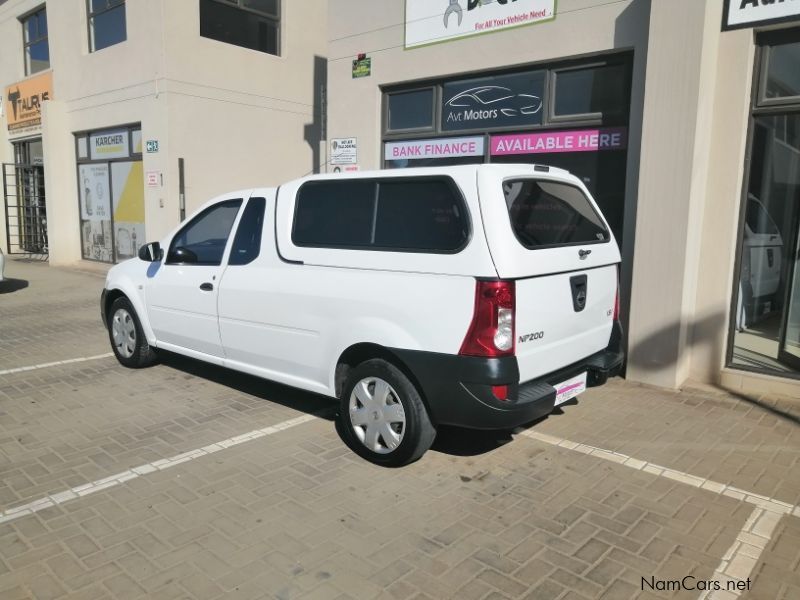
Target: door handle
x=207, y=287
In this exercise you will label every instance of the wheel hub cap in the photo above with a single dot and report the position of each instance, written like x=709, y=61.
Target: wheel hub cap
x=376, y=415
x=123, y=332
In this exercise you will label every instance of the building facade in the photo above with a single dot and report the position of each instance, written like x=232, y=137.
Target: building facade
x=681, y=116
x=120, y=117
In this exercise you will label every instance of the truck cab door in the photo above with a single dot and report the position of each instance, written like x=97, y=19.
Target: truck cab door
x=182, y=294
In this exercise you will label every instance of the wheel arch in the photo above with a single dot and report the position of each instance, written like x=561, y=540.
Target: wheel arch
x=361, y=352
x=120, y=291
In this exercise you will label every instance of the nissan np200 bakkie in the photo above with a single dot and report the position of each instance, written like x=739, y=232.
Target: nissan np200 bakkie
x=478, y=296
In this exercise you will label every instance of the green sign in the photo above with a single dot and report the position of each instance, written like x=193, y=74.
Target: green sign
x=151, y=146
x=362, y=68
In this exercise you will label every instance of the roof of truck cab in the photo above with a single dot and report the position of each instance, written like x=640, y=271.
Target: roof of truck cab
x=501, y=170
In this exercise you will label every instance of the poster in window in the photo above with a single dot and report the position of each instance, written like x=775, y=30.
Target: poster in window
x=128, y=200
x=95, y=206
x=94, y=192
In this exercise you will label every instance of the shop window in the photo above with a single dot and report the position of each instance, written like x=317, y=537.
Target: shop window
x=37, y=48
x=111, y=194
x=253, y=24
x=107, y=24
x=766, y=323
x=591, y=91
x=410, y=110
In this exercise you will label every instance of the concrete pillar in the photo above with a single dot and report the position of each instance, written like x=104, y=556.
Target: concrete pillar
x=61, y=185
x=676, y=137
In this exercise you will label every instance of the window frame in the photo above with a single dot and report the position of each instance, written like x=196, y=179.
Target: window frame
x=590, y=117
x=239, y=5
x=458, y=196
x=436, y=100
x=27, y=44
x=759, y=107
x=91, y=15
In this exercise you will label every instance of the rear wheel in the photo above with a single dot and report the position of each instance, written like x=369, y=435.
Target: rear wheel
x=127, y=338
x=382, y=416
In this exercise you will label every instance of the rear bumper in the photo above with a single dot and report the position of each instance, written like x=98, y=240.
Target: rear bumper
x=458, y=389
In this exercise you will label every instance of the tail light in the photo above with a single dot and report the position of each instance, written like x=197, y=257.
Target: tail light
x=616, y=301
x=491, y=333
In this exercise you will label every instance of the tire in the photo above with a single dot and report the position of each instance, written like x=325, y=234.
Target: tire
x=130, y=346
x=370, y=421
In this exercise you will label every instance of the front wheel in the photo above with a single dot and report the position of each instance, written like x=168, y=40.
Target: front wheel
x=382, y=417
x=127, y=338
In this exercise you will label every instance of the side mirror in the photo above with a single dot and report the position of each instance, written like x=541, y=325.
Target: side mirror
x=150, y=252
x=181, y=255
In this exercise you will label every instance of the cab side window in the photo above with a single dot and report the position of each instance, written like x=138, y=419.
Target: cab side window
x=202, y=241
x=247, y=242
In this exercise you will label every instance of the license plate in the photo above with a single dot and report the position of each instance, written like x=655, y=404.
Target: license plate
x=570, y=388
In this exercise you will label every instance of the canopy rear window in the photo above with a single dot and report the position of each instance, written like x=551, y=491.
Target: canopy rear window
x=546, y=214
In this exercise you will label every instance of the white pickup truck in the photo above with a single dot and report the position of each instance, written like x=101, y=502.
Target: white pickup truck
x=476, y=296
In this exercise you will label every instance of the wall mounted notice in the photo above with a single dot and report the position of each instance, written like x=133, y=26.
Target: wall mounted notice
x=750, y=13
x=344, y=151
x=581, y=140
x=433, y=21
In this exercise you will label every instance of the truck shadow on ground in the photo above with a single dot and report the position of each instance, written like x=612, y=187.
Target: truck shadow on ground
x=9, y=285
x=263, y=389
x=453, y=441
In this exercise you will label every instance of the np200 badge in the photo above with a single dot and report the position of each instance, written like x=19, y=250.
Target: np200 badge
x=529, y=337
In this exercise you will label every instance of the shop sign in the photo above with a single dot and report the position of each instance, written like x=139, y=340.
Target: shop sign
x=750, y=13
x=440, y=148
x=581, y=140
x=109, y=144
x=362, y=67
x=492, y=102
x=344, y=151
x=23, y=103
x=434, y=21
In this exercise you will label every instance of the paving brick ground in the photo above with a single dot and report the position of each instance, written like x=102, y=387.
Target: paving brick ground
x=296, y=515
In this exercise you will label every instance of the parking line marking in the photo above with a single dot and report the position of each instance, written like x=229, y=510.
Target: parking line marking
x=86, y=489
x=741, y=558
x=57, y=363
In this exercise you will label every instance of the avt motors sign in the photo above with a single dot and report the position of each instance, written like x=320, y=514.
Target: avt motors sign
x=433, y=21
x=752, y=13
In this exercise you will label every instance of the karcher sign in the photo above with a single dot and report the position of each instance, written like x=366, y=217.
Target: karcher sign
x=752, y=13
x=433, y=21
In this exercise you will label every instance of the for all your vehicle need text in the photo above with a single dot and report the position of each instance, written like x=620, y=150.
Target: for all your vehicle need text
x=476, y=296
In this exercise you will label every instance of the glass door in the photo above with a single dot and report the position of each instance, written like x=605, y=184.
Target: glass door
x=790, y=339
